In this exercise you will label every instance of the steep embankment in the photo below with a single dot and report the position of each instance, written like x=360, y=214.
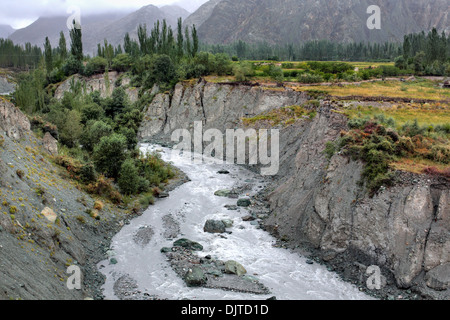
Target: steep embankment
x=44, y=222
x=319, y=203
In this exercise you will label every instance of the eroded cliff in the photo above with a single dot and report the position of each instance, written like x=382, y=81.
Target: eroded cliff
x=320, y=203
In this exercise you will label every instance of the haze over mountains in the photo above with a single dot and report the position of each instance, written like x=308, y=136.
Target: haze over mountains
x=274, y=21
x=5, y=31
x=96, y=28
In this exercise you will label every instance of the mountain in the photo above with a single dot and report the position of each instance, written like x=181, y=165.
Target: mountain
x=96, y=28
x=284, y=21
x=190, y=5
x=149, y=15
x=5, y=31
x=52, y=26
x=201, y=14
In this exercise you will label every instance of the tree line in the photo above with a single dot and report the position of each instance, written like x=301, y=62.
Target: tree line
x=17, y=56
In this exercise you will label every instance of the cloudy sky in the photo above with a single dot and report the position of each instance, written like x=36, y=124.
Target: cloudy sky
x=20, y=13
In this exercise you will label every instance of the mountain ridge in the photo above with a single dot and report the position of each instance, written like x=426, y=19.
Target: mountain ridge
x=281, y=22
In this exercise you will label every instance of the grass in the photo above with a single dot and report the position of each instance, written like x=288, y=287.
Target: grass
x=422, y=89
x=425, y=114
x=283, y=116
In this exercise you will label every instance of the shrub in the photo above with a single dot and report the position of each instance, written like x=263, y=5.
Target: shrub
x=128, y=178
x=440, y=154
x=122, y=62
x=98, y=205
x=330, y=149
x=87, y=173
x=20, y=173
x=110, y=154
x=147, y=200
x=104, y=187
x=95, y=65
x=310, y=78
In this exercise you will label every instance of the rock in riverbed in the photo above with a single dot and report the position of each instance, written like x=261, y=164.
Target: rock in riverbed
x=214, y=226
x=188, y=244
x=233, y=267
x=195, y=277
x=244, y=203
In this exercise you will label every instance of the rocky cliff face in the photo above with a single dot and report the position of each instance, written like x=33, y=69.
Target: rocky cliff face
x=319, y=203
x=404, y=229
x=103, y=83
x=217, y=106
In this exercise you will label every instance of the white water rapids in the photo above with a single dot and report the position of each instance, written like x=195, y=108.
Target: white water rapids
x=286, y=274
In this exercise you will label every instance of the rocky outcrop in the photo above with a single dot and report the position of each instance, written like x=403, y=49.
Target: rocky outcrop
x=50, y=144
x=12, y=121
x=318, y=202
x=103, y=83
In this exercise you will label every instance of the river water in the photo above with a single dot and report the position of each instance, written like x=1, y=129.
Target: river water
x=286, y=274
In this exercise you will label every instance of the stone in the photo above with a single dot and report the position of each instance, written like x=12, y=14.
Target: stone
x=228, y=223
x=50, y=144
x=49, y=214
x=439, y=277
x=163, y=195
x=223, y=172
x=188, y=244
x=222, y=193
x=166, y=250
x=113, y=261
x=214, y=226
x=248, y=218
x=195, y=277
x=244, y=203
x=231, y=207
x=233, y=267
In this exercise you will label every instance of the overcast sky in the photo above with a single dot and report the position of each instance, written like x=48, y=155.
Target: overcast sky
x=20, y=13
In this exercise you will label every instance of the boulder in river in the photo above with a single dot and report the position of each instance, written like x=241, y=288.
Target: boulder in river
x=228, y=223
x=244, y=203
x=195, y=277
x=233, y=267
x=188, y=244
x=222, y=193
x=214, y=226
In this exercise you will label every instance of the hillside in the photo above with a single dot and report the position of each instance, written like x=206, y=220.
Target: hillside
x=294, y=20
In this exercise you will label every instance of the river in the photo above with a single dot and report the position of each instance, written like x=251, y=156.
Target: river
x=285, y=273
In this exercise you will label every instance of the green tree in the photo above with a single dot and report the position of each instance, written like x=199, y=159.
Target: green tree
x=195, y=41
x=62, y=48
x=180, y=39
x=72, y=129
x=48, y=56
x=109, y=154
x=93, y=133
x=76, y=42
x=128, y=178
x=117, y=102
